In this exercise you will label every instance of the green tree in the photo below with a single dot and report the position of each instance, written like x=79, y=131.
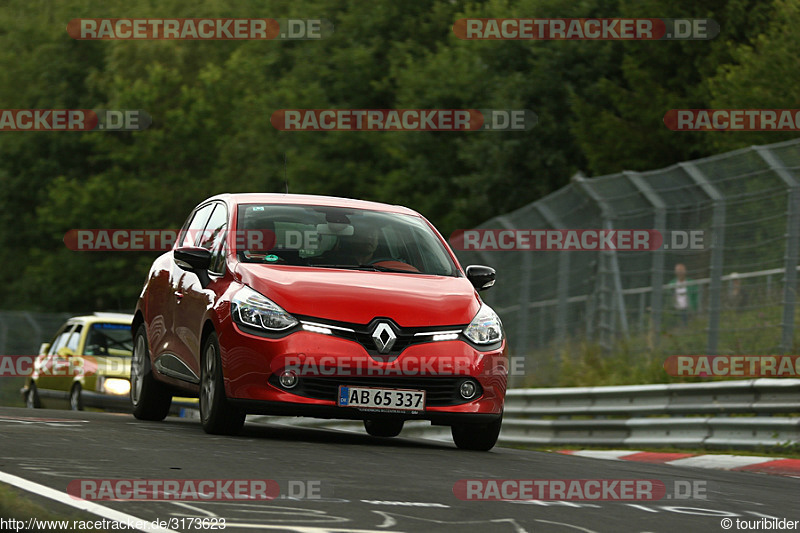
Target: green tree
x=619, y=124
x=762, y=75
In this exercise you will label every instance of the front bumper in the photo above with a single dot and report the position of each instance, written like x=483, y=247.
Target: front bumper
x=249, y=361
x=100, y=400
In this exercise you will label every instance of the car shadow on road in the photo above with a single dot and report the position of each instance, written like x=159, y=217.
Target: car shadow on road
x=330, y=436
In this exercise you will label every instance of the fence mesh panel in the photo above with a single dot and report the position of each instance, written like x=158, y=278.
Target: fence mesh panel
x=745, y=205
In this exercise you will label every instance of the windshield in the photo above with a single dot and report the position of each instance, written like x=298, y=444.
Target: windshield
x=109, y=339
x=334, y=237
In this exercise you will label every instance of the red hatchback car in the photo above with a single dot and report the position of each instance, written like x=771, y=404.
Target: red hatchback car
x=324, y=307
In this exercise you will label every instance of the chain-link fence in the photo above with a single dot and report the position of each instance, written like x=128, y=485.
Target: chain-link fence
x=22, y=332
x=740, y=286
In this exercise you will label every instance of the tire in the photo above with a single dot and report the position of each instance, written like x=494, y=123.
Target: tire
x=32, y=400
x=75, y=399
x=217, y=414
x=478, y=437
x=384, y=428
x=150, y=398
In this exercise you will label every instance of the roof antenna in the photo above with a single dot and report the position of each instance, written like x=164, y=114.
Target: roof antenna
x=285, y=173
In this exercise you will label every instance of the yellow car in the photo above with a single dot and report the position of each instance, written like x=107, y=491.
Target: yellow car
x=87, y=364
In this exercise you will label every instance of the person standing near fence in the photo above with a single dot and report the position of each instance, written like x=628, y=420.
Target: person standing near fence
x=737, y=295
x=685, y=295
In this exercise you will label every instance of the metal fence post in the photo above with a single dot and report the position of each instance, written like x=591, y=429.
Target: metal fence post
x=642, y=311
x=619, y=300
x=792, y=237
x=542, y=317
x=523, y=318
x=562, y=288
x=717, y=245
x=660, y=223
x=36, y=328
x=608, y=263
x=3, y=334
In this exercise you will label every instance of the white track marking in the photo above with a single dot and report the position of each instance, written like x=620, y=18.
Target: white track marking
x=83, y=505
x=571, y=526
x=603, y=454
x=723, y=462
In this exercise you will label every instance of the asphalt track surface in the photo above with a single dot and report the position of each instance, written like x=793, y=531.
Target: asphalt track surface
x=365, y=483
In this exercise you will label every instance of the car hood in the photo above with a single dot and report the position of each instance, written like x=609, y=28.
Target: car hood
x=358, y=296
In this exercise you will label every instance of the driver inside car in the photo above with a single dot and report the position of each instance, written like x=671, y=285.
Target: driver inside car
x=353, y=250
x=362, y=245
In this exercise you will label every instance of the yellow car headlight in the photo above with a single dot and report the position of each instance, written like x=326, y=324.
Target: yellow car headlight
x=116, y=386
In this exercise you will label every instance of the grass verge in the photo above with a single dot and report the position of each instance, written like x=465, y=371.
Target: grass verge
x=15, y=505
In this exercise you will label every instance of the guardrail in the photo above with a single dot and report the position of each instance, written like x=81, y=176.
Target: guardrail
x=695, y=415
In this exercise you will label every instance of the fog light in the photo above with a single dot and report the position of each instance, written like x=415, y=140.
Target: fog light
x=467, y=389
x=288, y=379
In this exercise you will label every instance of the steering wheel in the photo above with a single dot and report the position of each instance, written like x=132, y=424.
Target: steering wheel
x=397, y=264
x=381, y=259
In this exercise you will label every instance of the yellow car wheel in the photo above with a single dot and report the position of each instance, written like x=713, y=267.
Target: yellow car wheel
x=32, y=398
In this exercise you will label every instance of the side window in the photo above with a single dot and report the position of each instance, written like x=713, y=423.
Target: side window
x=61, y=339
x=194, y=226
x=74, y=339
x=215, y=229
x=213, y=238
x=217, y=265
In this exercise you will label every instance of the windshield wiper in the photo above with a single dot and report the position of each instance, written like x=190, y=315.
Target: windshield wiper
x=381, y=268
x=346, y=267
x=371, y=268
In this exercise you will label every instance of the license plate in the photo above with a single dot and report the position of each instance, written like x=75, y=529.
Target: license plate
x=384, y=399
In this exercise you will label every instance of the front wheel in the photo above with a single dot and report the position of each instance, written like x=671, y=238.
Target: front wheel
x=150, y=398
x=218, y=416
x=383, y=428
x=32, y=398
x=75, y=400
x=479, y=437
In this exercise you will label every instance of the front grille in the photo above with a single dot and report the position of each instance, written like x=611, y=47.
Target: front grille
x=439, y=391
x=362, y=334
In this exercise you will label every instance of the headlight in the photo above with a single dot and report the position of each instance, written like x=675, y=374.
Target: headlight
x=116, y=386
x=485, y=328
x=250, y=308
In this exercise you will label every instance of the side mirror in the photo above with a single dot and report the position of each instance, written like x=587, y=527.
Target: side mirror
x=45, y=346
x=194, y=259
x=481, y=277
